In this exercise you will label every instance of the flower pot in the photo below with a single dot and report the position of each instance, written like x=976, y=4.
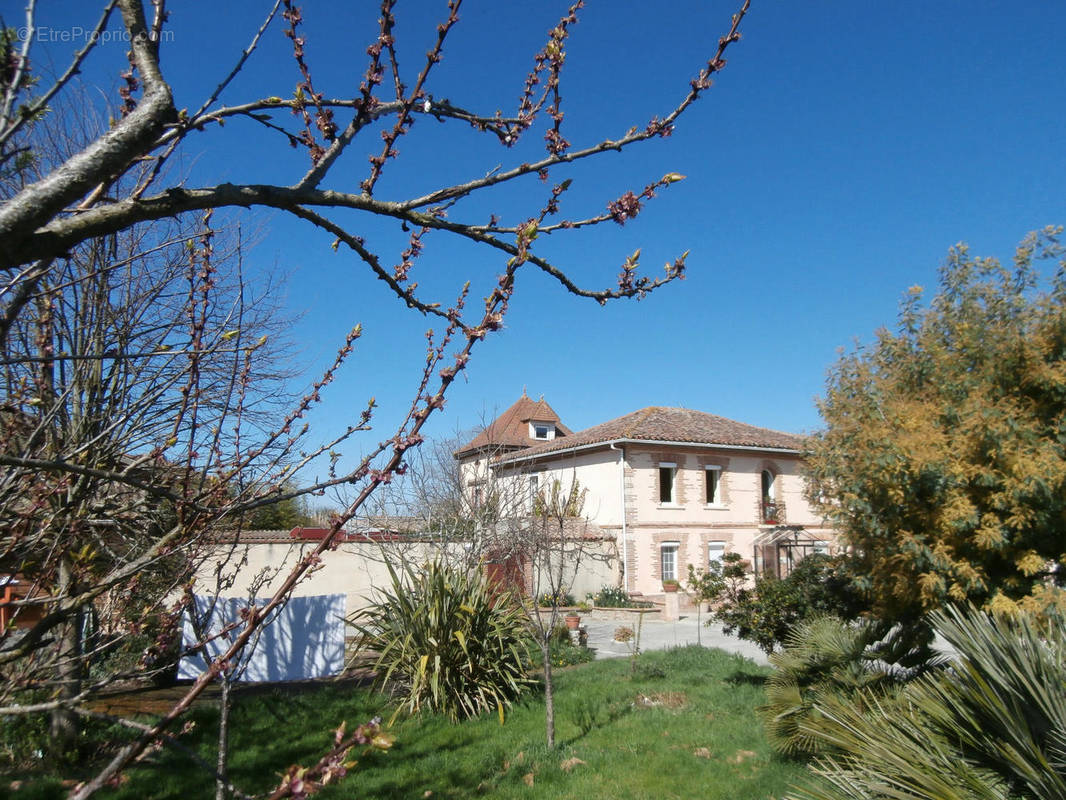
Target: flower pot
x=670, y=587
x=573, y=621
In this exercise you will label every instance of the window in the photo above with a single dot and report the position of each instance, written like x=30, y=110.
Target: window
x=822, y=548
x=714, y=480
x=666, y=482
x=768, y=488
x=715, y=551
x=542, y=431
x=668, y=560
x=771, y=510
x=534, y=486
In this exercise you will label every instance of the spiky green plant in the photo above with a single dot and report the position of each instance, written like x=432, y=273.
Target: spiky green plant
x=823, y=658
x=445, y=640
x=992, y=726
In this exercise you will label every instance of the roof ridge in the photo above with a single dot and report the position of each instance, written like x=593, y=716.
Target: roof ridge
x=670, y=424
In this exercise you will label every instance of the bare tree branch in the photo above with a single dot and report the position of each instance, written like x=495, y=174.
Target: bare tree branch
x=143, y=410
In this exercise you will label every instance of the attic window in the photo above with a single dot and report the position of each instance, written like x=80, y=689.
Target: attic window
x=542, y=431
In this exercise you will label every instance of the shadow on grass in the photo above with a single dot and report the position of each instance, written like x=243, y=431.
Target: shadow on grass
x=744, y=678
x=615, y=745
x=589, y=717
x=436, y=757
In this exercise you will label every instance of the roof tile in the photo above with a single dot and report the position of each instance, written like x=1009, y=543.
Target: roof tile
x=511, y=429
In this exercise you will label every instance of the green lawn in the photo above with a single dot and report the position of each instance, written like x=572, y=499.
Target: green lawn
x=683, y=727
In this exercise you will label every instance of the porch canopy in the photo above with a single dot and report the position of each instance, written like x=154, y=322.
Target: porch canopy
x=780, y=548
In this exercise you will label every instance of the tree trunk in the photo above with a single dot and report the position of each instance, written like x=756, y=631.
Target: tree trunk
x=549, y=694
x=221, y=778
x=64, y=722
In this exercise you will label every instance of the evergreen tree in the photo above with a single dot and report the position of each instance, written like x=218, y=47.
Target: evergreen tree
x=943, y=460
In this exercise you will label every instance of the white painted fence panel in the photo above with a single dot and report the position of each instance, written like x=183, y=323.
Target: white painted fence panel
x=305, y=639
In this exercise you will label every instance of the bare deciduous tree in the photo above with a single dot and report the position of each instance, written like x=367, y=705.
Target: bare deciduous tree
x=553, y=544
x=200, y=461
x=128, y=362
x=483, y=515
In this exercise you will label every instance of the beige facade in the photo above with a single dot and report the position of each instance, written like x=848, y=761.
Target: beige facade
x=702, y=527
x=670, y=499
x=663, y=489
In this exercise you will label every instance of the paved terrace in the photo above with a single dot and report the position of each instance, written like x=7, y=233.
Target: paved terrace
x=658, y=635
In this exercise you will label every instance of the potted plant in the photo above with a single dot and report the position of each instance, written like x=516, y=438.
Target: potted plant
x=670, y=585
x=772, y=512
x=573, y=620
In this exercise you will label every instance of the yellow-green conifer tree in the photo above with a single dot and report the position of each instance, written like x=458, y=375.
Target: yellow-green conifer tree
x=943, y=459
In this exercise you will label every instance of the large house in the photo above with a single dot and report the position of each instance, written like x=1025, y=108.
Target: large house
x=672, y=486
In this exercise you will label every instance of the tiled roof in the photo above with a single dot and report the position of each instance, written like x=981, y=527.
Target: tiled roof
x=659, y=424
x=511, y=428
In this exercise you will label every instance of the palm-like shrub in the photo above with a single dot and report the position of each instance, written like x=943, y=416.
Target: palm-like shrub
x=992, y=726
x=445, y=640
x=824, y=658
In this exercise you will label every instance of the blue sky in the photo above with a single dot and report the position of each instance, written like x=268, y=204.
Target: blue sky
x=845, y=147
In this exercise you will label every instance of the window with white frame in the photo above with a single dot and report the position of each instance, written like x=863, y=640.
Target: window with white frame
x=715, y=552
x=822, y=548
x=667, y=473
x=713, y=494
x=541, y=430
x=668, y=560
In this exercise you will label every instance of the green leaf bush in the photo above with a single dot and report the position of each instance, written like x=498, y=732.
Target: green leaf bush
x=561, y=650
x=446, y=641
x=769, y=611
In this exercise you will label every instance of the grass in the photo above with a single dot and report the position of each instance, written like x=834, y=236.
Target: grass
x=683, y=725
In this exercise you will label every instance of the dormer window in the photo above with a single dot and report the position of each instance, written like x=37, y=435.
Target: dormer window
x=542, y=431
